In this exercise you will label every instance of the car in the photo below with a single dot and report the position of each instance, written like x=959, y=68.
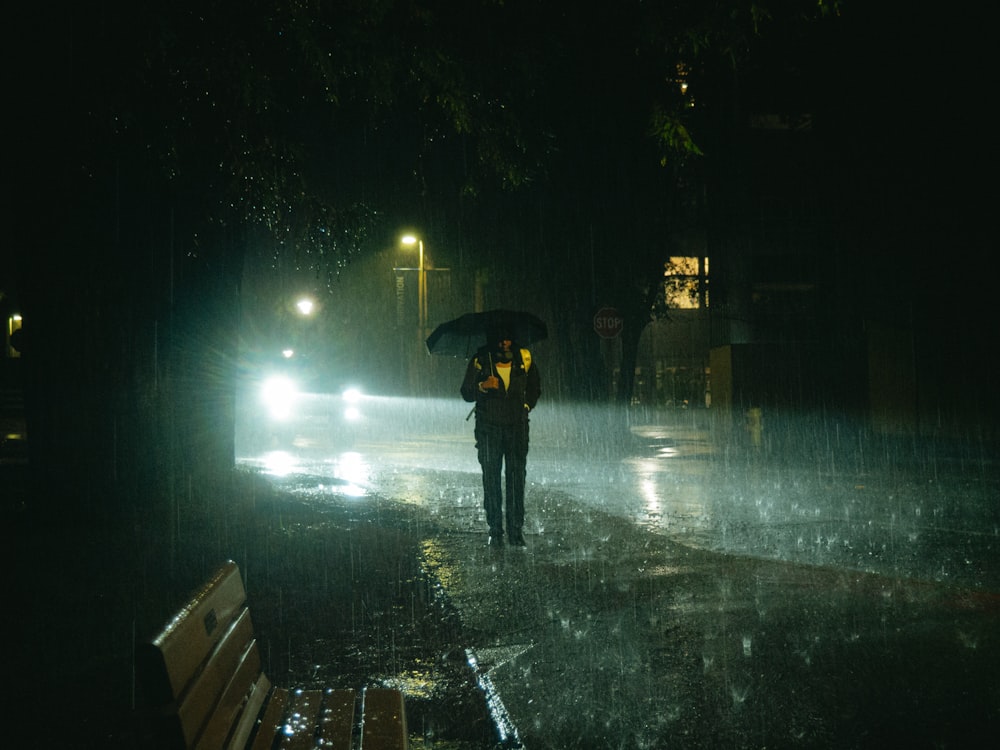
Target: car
x=286, y=401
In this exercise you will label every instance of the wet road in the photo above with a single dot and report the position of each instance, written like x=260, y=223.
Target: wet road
x=676, y=593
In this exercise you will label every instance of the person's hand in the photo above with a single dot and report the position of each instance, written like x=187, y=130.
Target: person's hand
x=491, y=383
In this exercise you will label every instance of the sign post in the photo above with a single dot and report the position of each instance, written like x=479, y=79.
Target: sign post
x=608, y=323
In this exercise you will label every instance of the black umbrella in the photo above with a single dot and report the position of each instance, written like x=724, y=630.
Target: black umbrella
x=463, y=336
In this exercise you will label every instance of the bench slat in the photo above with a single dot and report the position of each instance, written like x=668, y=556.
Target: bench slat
x=271, y=722
x=301, y=718
x=383, y=720
x=336, y=727
x=190, y=637
x=248, y=719
x=200, y=701
x=225, y=717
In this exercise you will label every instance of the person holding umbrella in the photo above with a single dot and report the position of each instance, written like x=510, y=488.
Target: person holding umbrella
x=504, y=384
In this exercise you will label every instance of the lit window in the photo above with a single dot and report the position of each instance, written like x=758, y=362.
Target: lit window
x=685, y=282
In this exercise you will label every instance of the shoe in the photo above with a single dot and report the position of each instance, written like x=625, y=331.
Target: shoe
x=517, y=538
x=496, y=538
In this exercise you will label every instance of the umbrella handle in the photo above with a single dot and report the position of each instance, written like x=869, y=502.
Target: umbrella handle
x=473, y=410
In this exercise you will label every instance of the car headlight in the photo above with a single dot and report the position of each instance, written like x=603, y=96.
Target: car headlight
x=278, y=395
x=351, y=397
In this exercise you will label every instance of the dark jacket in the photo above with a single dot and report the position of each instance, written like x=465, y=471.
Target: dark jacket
x=504, y=405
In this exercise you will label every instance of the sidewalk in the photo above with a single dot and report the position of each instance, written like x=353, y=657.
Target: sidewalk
x=621, y=624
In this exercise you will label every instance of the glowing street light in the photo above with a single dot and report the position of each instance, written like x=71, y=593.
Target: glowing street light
x=305, y=306
x=410, y=240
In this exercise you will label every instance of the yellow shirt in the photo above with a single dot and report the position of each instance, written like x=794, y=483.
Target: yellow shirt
x=503, y=370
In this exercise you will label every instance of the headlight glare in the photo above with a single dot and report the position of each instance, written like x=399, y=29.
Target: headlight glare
x=278, y=394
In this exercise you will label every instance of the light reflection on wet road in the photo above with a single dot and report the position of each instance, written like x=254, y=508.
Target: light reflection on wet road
x=669, y=479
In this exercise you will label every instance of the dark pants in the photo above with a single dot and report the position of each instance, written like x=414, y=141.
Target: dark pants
x=503, y=446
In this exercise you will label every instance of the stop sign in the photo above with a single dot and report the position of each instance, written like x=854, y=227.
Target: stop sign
x=608, y=322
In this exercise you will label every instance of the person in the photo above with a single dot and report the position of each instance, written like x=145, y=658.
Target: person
x=504, y=384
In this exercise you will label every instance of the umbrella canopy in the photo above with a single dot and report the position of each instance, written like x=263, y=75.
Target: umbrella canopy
x=463, y=336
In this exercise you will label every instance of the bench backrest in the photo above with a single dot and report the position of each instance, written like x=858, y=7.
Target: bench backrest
x=202, y=673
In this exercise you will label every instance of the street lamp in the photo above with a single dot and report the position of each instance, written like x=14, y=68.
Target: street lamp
x=410, y=240
x=305, y=306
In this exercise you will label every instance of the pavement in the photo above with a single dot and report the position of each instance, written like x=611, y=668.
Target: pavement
x=676, y=595
x=683, y=593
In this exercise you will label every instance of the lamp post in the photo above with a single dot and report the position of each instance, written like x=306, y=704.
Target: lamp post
x=409, y=240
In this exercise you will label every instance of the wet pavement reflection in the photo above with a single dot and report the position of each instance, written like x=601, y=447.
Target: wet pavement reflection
x=677, y=591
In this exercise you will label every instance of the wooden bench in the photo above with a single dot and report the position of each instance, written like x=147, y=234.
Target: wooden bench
x=204, y=685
